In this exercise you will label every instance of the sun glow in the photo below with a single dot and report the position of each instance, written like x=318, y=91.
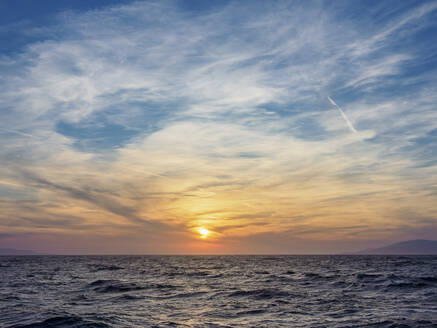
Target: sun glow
x=203, y=232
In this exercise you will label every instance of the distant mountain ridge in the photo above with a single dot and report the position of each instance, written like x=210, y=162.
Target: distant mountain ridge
x=409, y=247
x=11, y=251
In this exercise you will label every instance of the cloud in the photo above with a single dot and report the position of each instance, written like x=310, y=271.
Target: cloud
x=146, y=118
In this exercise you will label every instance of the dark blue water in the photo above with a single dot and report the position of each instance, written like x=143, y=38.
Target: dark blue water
x=218, y=291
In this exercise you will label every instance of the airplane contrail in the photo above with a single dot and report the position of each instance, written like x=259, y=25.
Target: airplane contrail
x=17, y=132
x=349, y=124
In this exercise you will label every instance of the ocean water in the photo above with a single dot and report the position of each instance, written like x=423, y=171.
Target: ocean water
x=218, y=291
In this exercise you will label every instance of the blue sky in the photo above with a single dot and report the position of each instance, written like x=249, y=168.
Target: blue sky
x=280, y=126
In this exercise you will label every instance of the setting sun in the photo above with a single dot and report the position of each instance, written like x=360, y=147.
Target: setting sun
x=203, y=232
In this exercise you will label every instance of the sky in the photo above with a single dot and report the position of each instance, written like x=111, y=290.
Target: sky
x=217, y=127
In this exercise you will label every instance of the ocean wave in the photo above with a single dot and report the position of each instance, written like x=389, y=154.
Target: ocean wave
x=181, y=295
x=126, y=297
x=406, y=285
x=64, y=322
x=429, y=279
x=114, y=286
x=368, y=276
x=260, y=293
x=105, y=268
x=188, y=273
x=251, y=312
x=399, y=323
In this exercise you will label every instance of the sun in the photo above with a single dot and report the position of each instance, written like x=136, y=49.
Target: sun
x=203, y=232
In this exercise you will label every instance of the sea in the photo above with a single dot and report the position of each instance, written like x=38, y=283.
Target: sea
x=218, y=291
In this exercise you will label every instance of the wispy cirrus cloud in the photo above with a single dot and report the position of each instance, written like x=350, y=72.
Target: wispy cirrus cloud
x=148, y=118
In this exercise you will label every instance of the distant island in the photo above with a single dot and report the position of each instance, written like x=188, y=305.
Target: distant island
x=11, y=251
x=409, y=247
